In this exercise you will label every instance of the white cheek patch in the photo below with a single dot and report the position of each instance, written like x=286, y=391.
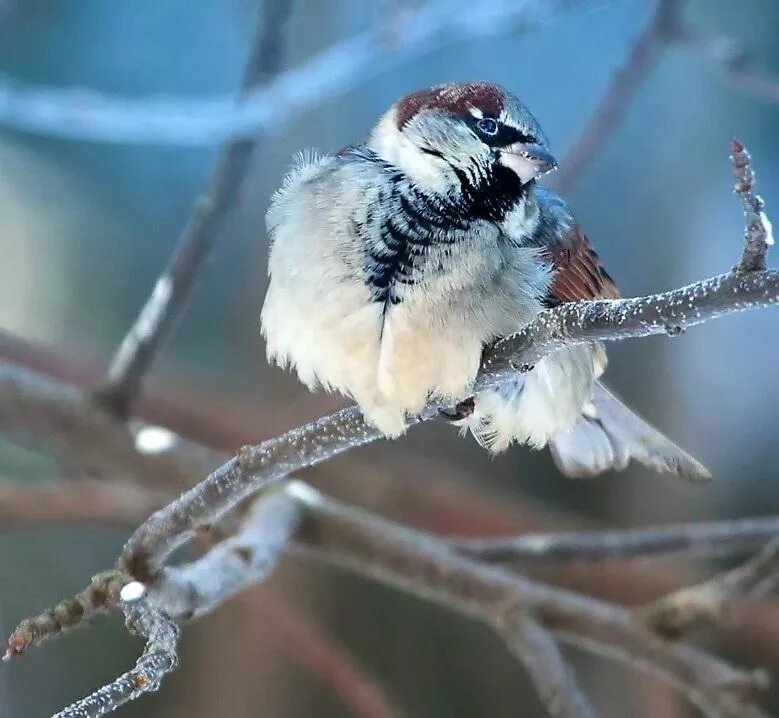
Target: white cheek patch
x=525, y=168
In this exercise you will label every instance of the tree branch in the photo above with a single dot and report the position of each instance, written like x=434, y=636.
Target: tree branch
x=36, y=410
x=239, y=561
x=99, y=598
x=758, y=236
x=534, y=646
x=641, y=60
x=170, y=295
x=429, y=568
x=666, y=27
x=590, y=546
x=710, y=601
x=159, y=658
x=79, y=501
x=86, y=115
x=417, y=563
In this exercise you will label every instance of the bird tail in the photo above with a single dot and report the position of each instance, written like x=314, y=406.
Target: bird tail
x=609, y=434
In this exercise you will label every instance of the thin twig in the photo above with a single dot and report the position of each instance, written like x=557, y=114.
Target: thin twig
x=757, y=235
x=704, y=538
x=86, y=115
x=709, y=601
x=641, y=60
x=99, y=598
x=78, y=501
x=537, y=650
x=159, y=658
x=170, y=295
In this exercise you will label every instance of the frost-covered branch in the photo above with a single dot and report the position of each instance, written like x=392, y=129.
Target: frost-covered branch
x=239, y=561
x=517, y=608
x=158, y=659
x=746, y=287
x=173, y=288
x=758, y=235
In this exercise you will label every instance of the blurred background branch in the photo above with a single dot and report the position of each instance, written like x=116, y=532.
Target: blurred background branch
x=87, y=115
x=168, y=300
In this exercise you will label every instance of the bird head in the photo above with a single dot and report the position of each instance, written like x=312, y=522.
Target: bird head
x=462, y=132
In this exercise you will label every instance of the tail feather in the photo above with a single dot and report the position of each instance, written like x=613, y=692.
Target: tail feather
x=611, y=435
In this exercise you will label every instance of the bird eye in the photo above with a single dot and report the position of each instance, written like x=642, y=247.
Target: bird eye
x=487, y=126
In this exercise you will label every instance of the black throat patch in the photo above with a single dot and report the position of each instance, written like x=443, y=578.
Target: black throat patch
x=491, y=195
x=399, y=231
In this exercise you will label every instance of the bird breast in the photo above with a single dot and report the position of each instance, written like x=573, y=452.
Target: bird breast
x=380, y=295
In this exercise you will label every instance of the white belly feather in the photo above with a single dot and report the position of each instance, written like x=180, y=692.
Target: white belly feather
x=320, y=319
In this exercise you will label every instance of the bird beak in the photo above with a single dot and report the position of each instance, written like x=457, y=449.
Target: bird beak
x=528, y=160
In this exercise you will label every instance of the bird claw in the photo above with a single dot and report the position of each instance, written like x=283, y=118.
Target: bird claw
x=462, y=411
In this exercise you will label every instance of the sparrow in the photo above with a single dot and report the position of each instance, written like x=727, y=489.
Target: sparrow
x=393, y=264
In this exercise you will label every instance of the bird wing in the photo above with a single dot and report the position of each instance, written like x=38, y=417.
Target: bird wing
x=577, y=272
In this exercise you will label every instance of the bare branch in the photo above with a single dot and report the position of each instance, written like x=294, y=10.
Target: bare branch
x=609, y=320
x=426, y=567
x=170, y=295
x=641, y=60
x=159, y=658
x=710, y=601
x=246, y=558
x=588, y=546
x=86, y=115
x=36, y=410
x=553, y=678
x=757, y=236
x=99, y=598
x=666, y=27
x=79, y=501
x=253, y=469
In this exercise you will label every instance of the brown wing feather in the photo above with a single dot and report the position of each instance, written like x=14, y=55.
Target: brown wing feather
x=578, y=273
